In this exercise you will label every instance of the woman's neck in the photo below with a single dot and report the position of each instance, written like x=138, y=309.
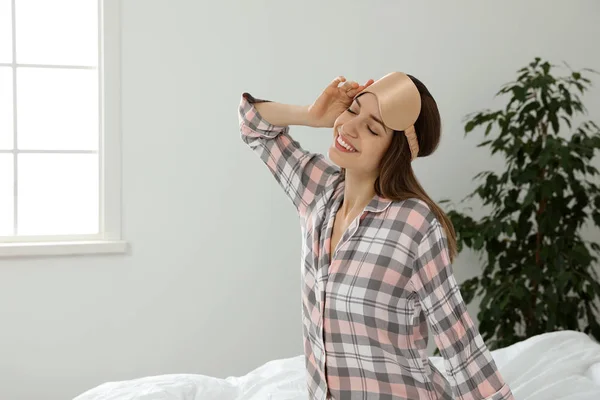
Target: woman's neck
x=358, y=192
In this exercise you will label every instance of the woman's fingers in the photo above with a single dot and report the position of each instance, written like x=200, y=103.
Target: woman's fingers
x=356, y=88
x=333, y=88
x=347, y=84
x=366, y=85
x=336, y=82
x=349, y=88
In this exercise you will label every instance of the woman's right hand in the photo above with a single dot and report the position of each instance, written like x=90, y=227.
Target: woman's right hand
x=334, y=101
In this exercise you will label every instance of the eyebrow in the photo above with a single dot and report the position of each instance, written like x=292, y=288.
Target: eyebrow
x=371, y=115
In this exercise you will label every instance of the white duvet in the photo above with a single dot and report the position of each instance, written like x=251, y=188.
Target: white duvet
x=560, y=365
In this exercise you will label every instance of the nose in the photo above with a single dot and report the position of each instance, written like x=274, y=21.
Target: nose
x=350, y=129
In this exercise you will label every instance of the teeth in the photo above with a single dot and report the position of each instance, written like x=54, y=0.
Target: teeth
x=346, y=145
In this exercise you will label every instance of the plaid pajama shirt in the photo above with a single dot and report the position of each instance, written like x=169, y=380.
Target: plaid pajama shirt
x=365, y=313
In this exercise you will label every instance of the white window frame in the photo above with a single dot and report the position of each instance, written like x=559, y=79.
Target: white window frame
x=109, y=239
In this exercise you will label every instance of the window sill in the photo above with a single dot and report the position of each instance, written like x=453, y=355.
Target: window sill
x=37, y=249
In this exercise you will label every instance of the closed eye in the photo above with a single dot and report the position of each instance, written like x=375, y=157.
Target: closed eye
x=370, y=130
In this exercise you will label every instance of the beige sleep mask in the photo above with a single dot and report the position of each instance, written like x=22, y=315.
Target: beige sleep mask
x=399, y=105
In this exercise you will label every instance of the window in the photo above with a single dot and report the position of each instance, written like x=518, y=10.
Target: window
x=59, y=127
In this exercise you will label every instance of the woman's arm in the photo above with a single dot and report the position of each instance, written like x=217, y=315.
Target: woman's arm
x=301, y=174
x=471, y=369
x=284, y=114
x=265, y=129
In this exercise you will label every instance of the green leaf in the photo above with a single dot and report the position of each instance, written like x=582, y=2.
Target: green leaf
x=509, y=230
x=596, y=216
x=532, y=105
x=527, y=176
x=529, y=198
x=554, y=122
x=478, y=244
x=469, y=126
x=546, y=67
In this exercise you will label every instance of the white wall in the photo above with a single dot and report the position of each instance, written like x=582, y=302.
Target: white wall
x=212, y=285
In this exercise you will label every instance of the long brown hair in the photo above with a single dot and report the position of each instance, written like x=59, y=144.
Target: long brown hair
x=397, y=180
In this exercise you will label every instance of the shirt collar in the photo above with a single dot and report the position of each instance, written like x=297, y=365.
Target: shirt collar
x=378, y=204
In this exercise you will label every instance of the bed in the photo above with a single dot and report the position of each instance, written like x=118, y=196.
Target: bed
x=558, y=365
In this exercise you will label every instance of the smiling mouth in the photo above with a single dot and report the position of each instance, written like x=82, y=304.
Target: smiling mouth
x=344, y=146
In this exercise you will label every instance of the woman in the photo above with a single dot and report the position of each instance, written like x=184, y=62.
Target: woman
x=377, y=251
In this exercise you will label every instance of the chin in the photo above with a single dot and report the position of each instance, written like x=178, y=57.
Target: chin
x=337, y=158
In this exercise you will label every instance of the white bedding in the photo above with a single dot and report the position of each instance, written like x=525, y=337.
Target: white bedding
x=559, y=365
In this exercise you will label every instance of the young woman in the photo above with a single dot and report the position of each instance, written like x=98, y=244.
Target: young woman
x=377, y=252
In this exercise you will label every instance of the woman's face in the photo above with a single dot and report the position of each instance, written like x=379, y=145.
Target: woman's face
x=365, y=138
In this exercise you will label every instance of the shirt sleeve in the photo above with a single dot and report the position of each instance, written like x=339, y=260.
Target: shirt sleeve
x=301, y=174
x=471, y=370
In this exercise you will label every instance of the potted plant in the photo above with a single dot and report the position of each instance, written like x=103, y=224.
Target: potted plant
x=538, y=270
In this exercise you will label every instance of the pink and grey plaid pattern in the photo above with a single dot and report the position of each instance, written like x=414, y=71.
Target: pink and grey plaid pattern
x=365, y=313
